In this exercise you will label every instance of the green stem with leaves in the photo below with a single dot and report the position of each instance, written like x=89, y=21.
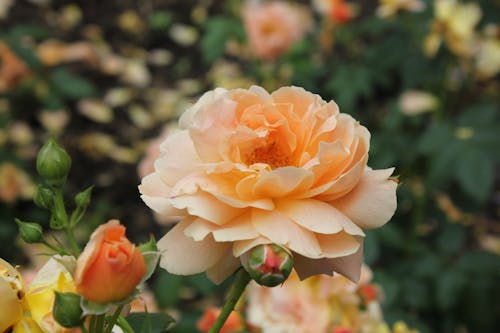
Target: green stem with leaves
x=241, y=281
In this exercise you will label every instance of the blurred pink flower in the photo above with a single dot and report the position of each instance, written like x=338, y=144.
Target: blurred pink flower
x=273, y=26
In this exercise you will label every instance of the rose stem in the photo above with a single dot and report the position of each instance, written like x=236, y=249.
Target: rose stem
x=241, y=280
x=113, y=319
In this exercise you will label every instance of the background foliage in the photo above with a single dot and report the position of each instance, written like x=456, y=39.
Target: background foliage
x=106, y=77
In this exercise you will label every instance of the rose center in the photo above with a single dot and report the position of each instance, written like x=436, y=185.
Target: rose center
x=269, y=154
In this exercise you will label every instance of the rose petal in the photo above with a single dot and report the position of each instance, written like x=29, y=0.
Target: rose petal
x=223, y=269
x=178, y=158
x=337, y=245
x=313, y=215
x=282, y=231
x=240, y=228
x=155, y=194
x=182, y=255
x=199, y=229
x=299, y=97
x=207, y=207
x=283, y=181
x=348, y=266
x=372, y=202
x=207, y=98
x=241, y=247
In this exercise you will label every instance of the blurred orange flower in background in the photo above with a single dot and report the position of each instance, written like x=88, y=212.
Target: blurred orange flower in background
x=249, y=168
x=273, y=26
x=110, y=267
x=233, y=323
x=12, y=69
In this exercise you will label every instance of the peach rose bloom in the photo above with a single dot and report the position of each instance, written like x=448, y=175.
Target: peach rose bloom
x=320, y=304
x=247, y=168
x=110, y=267
x=294, y=307
x=272, y=27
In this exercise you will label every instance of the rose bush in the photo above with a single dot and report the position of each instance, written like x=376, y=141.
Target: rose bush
x=247, y=167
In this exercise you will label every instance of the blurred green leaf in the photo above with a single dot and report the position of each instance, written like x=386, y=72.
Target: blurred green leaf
x=166, y=288
x=144, y=322
x=475, y=172
x=70, y=85
x=218, y=31
x=449, y=287
x=348, y=84
x=160, y=20
x=451, y=239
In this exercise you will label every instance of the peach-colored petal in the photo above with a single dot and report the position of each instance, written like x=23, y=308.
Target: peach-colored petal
x=372, y=202
x=223, y=269
x=317, y=216
x=301, y=99
x=337, y=245
x=240, y=228
x=207, y=207
x=282, y=231
x=186, y=119
x=211, y=129
x=199, y=229
x=184, y=256
x=178, y=158
x=283, y=181
x=241, y=247
x=348, y=266
x=338, y=187
x=155, y=194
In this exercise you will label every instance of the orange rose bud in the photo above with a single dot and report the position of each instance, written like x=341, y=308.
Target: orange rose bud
x=110, y=266
x=368, y=292
x=233, y=323
x=342, y=12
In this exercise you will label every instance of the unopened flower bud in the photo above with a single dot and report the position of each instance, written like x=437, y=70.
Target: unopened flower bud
x=67, y=311
x=53, y=163
x=29, y=232
x=43, y=198
x=82, y=199
x=269, y=265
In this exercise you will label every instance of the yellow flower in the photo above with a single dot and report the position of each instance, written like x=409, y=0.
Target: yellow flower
x=488, y=58
x=29, y=310
x=10, y=296
x=454, y=23
x=40, y=296
x=389, y=8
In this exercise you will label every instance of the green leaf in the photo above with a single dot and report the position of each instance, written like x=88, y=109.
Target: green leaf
x=475, y=172
x=449, y=287
x=451, y=239
x=166, y=288
x=350, y=83
x=160, y=20
x=217, y=32
x=443, y=162
x=144, y=322
x=435, y=139
x=480, y=263
x=70, y=85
